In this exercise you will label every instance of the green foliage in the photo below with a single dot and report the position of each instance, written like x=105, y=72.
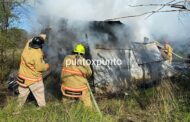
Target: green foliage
x=6, y=14
x=53, y=112
x=10, y=38
x=10, y=41
x=162, y=105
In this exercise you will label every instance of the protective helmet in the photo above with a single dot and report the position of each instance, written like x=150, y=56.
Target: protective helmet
x=79, y=48
x=36, y=42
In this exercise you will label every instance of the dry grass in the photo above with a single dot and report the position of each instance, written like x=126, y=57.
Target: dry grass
x=161, y=104
x=169, y=101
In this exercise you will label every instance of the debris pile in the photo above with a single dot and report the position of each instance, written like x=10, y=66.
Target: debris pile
x=141, y=60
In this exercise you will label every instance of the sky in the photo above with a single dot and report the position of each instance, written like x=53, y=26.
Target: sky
x=172, y=27
x=175, y=26
x=27, y=16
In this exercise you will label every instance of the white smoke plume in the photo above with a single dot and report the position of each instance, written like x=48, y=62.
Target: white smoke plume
x=78, y=14
x=172, y=26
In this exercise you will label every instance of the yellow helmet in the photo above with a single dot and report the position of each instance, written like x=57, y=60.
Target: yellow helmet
x=79, y=48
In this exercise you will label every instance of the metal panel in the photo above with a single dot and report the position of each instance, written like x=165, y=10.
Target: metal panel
x=147, y=53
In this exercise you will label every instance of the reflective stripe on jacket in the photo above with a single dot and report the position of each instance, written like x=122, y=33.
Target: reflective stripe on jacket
x=64, y=89
x=74, y=76
x=32, y=65
x=74, y=89
x=73, y=72
x=30, y=79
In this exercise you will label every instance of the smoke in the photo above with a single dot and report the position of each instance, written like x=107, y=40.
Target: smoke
x=71, y=21
x=74, y=18
x=50, y=12
x=171, y=26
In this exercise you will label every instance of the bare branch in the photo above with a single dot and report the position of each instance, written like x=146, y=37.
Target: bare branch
x=173, y=4
x=162, y=6
x=167, y=4
x=152, y=12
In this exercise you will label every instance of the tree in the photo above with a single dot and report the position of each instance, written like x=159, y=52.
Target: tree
x=9, y=37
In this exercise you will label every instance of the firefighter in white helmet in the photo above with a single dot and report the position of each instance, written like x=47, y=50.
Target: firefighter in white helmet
x=30, y=72
x=74, y=76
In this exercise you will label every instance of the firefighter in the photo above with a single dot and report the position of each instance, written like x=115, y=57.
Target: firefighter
x=75, y=71
x=168, y=50
x=30, y=72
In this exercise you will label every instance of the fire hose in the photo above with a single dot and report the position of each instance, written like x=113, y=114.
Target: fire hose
x=171, y=69
x=180, y=56
x=47, y=73
x=174, y=53
x=94, y=100
x=88, y=85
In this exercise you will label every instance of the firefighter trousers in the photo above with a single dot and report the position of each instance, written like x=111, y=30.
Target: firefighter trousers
x=37, y=90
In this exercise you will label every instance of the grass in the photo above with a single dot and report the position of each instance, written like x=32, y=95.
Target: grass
x=53, y=112
x=167, y=102
x=161, y=106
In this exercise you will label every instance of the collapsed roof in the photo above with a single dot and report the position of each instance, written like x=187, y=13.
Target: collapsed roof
x=106, y=41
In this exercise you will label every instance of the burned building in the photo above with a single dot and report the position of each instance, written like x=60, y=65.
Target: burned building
x=140, y=60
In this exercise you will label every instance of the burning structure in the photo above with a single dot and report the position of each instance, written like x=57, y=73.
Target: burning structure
x=141, y=61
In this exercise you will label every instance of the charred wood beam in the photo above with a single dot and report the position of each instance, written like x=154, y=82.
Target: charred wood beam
x=144, y=43
x=102, y=48
x=109, y=47
x=151, y=62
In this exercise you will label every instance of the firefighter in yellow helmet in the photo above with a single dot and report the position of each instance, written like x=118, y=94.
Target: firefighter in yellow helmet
x=75, y=71
x=30, y=72
x=168, y=50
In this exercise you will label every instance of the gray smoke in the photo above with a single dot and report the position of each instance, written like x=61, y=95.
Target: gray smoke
x=74, y=17
x=72, y=21
x=173, y=26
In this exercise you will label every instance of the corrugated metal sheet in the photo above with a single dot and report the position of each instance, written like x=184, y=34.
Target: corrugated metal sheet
x=146, y=53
